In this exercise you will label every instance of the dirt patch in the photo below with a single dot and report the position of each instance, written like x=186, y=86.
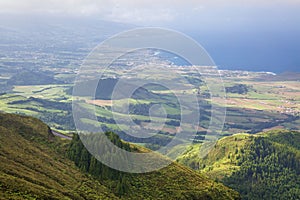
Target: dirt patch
x=100, y=102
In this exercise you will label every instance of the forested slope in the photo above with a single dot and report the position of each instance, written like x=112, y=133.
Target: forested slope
x=262, y=166
x=34, y=164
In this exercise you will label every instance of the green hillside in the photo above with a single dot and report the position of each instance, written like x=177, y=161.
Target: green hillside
x=262, y=166
x=172, y=182
x=34, y=165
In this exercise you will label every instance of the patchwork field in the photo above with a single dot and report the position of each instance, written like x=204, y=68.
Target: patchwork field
x=252, y=106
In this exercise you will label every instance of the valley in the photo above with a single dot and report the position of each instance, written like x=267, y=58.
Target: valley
x=227, y=134
x=264, y=106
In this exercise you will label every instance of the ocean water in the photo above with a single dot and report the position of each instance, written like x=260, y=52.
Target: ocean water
x=275, y=52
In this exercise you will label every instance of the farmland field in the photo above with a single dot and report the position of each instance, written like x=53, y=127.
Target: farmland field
x=251, y=106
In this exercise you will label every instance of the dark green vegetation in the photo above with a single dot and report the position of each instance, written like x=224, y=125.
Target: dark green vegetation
x=105, y=88
x=87, y=163
x=262, y=166
x=271, y=169
x=34, y=166
x=238, y=89
x=33, y=78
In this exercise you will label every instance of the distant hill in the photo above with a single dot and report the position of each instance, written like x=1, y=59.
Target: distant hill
x=32, y=78
x=33, y=165
x=105, y=88
x=261, y=166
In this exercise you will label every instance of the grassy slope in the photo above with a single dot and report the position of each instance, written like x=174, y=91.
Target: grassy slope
x=178, y=182
x=33, y=165
x=30, y=167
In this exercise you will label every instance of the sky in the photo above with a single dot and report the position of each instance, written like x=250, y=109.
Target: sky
x=148, y=11
x=237, y=33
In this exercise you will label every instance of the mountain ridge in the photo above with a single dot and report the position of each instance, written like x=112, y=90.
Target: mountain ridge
x=34, y=166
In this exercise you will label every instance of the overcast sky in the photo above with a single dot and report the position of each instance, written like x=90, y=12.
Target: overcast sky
x=154, y=11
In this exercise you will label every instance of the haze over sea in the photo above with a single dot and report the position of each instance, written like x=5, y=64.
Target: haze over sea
x=255, y=36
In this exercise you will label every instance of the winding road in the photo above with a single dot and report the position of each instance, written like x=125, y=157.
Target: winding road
x=61, y=135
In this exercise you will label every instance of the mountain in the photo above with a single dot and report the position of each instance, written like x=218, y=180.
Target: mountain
x=34, y=165
x=261, y=166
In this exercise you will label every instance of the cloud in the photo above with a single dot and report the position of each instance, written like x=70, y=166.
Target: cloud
x=133, y=11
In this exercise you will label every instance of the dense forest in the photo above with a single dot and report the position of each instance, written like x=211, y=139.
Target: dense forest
x=88, y=163
x=268, y=170
x=261, y=166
